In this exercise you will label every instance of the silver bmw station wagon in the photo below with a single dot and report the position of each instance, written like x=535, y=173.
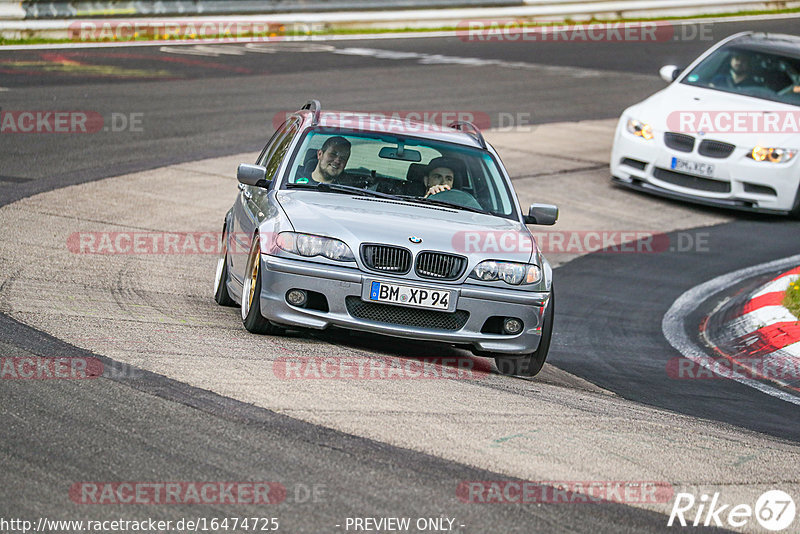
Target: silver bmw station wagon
x=388, y=226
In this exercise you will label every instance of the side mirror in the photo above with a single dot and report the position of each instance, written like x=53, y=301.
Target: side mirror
x=252, y=175
x=669, y=73
x=544, y=214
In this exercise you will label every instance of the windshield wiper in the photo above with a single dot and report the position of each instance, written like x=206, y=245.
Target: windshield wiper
x=442, y=203
x=339, y=188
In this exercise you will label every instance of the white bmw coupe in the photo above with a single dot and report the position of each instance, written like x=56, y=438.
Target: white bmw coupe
x=725, y=132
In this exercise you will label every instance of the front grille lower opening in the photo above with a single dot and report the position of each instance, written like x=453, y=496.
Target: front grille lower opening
x=692, y=182
x=404, y=316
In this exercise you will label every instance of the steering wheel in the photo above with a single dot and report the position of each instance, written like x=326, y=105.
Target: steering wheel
x=457, y=198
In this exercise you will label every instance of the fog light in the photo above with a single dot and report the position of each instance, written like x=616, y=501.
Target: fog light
x=512, y=325
x=296, y=297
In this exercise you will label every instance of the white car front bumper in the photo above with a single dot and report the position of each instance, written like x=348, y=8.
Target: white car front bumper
x=737, y=181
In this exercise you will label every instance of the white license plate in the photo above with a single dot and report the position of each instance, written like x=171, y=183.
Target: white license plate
x=692, y=167
x=417, y=297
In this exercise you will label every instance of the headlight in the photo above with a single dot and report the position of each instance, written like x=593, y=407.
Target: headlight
x=511, y=273
x=773, y=155
x=640, y=129
x=313, y=245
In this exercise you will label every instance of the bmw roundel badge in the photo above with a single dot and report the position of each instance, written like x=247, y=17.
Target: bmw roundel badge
x=416, y=240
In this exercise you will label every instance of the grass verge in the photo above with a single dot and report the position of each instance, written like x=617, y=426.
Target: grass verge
x=792, y=298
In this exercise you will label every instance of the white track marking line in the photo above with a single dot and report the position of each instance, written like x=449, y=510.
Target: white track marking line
x=793, y=349
x=768, y=316
x=673, y=323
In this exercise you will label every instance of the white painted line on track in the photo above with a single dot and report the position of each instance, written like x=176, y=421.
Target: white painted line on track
x=768, y=316
x=673, y=323
x=342, y=37
x=793, y=349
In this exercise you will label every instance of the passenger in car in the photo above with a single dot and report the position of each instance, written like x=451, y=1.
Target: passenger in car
x=328, y=167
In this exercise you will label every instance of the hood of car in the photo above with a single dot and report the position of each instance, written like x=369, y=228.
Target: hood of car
x=417, y=227
x=710, y=114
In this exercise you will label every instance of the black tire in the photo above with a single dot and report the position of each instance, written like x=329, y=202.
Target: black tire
x=252, y=319
x=221, y=294
x=531, y=364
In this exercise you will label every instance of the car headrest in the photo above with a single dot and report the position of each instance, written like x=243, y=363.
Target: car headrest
x=416, y=172
x=777, y=80
x=311, y=153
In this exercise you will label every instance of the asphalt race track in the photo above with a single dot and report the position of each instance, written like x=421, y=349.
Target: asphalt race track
x=195, y=401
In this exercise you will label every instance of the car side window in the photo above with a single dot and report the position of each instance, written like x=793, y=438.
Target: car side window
x=275, y=154
x=276, y=148
x=278, y=152
x=266, y=150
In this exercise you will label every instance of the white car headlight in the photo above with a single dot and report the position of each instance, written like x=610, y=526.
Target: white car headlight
x=509, y=272
x=313, y=245
x=640, y=129
x=772, y=155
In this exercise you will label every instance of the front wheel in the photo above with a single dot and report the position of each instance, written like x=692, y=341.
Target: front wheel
x=531, y=364
x=251, y=295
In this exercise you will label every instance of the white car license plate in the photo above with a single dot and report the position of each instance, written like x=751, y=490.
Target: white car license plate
x=692, y=167
x=417, y=297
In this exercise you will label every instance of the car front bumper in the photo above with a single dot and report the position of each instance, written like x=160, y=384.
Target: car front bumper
x=339, y=284
x=738, y=182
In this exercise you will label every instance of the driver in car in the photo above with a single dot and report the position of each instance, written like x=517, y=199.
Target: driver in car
x=440, y=176
x=738, y=75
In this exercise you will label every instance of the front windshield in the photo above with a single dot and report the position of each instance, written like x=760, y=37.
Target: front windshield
x=408, y=169
x=745, y=71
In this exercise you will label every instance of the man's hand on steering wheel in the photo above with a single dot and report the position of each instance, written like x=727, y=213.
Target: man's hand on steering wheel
x=437, y=189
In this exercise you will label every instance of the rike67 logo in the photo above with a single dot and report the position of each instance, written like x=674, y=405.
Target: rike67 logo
x=774, y=510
